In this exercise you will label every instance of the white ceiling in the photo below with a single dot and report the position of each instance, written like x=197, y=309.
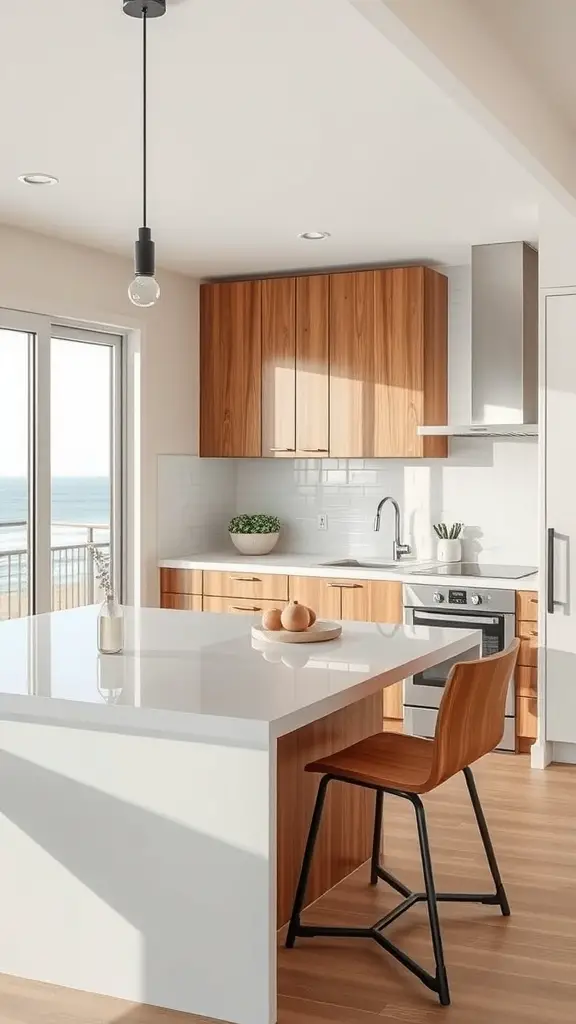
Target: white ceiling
x=540, y=35
x=267, y=118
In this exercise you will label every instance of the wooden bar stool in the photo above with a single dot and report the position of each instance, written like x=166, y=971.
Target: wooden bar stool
x=470, y=724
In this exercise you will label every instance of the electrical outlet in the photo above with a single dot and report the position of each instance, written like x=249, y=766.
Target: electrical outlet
x=322, y=521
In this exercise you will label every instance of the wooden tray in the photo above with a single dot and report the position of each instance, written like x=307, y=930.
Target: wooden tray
x=314, y=634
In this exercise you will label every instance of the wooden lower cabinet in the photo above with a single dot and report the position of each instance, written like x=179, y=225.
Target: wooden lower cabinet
x=238, y=605
x=324, y=596
x=182, y=602
x=359, y=600
x=261, y=586
x=527, y=670
x=181, y=581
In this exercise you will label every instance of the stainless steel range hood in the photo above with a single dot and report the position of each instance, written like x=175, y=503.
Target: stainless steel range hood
x=504, y=380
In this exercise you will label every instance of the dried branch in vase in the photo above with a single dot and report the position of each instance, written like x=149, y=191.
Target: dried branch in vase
x=102, y=571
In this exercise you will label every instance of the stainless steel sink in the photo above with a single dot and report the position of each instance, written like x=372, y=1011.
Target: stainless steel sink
x=353, y=563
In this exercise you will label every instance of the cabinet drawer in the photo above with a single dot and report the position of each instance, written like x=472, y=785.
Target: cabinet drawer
x=526, y=681
x=182, y=602
x=237, y=605
x=181, y=581
x=527, y=717
x=246, y=584
x=528, y=633
x=526, y=606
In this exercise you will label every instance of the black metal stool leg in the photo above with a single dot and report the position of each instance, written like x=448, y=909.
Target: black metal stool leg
x=490, y=855
x=441, y=976
x=375, y=862
x=307, y=862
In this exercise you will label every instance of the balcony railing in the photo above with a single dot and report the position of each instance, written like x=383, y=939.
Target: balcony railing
x=73, y=580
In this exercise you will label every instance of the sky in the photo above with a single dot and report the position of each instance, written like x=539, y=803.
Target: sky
x=80, y=407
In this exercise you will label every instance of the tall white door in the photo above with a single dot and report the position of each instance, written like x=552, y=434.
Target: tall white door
x=560, y=484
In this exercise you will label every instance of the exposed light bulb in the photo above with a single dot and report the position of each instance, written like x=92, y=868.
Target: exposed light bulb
x=144, y=290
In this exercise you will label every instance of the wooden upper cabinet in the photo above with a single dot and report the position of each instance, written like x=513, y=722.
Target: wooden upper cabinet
x=295, y=388
x=351, y=364
x=388, y=362
x=279, y=367
x=312, y=362
x=230, y=369
x=347, y=365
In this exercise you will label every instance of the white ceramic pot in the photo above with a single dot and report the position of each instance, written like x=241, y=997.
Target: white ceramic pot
x=449, y=550
x=254, y=543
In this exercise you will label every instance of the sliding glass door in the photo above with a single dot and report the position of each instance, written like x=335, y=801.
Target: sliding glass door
x=60, y=463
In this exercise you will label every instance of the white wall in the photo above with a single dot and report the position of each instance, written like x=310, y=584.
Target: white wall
x=49, y=276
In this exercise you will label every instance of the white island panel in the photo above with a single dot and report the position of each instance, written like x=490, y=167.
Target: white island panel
x=138, y=867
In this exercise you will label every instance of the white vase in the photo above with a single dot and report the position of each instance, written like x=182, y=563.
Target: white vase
x=254, y=543
x=449, y=551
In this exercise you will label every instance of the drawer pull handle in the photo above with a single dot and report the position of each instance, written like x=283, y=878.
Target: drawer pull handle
x=347, y=586
x=237, y=608
x=282, y=449
x=325, y=450
x=246, y=579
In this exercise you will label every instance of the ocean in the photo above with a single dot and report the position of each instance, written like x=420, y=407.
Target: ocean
x=75, y=500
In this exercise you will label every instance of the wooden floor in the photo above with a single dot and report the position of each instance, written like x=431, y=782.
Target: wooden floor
x=520, y=971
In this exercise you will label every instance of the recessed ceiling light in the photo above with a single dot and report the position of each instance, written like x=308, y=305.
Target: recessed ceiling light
x=314, y=236
x=38, y=179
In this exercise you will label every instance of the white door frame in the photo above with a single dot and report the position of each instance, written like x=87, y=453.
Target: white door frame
x=40, y=330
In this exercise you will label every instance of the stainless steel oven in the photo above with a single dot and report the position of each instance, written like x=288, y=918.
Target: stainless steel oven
x=490, y=611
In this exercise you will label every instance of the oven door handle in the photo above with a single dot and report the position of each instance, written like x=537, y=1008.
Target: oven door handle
x=469, y=620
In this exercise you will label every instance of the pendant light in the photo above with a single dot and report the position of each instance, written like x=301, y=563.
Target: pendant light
x=144, y=289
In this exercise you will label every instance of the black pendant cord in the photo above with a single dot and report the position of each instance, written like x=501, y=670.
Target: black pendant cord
x=144, y=113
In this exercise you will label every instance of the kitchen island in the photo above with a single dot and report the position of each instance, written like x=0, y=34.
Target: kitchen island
x=153, y=805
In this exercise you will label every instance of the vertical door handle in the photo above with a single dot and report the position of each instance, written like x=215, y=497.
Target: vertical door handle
x=550, y=568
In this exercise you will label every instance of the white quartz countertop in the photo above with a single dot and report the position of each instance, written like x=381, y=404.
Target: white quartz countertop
x=198, y=674
x=314, y=565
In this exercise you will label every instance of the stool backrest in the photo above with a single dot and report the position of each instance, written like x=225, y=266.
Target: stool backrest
x=471, y=716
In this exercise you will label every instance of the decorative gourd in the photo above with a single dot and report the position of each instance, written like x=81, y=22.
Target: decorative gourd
x=312, y=616
x=271, y=619
x=295, y=617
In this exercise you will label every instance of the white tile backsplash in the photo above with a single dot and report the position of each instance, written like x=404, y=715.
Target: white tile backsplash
x=490, y=485
x=195, y=497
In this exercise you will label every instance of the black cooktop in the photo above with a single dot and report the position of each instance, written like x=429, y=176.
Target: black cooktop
x=505, y=572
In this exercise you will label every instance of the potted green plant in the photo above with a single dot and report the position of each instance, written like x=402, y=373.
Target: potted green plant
x=254, y=534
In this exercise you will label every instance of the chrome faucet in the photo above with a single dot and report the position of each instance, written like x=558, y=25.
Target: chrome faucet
x=398, y=549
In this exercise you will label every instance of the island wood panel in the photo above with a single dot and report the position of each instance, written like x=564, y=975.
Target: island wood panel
x=230, y=369
x=352, y=420
x=237, y=605
x=279, y=367
x=246, y=584
x=377, y=601
x=323, y=595
x=181, y=602
x=526, y=606
x=181, y=581
x=435, y=356
x=312, y=365
x=345, y=837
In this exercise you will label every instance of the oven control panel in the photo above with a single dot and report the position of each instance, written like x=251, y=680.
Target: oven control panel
x=443, y=599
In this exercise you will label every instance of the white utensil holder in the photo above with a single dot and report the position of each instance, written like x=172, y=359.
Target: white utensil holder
x=449, y=551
